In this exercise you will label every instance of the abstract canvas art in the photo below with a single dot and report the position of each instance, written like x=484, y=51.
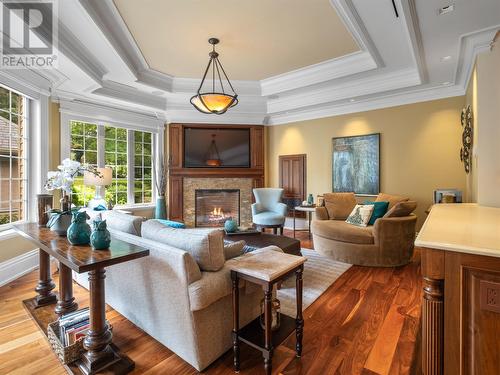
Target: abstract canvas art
x=356, y=164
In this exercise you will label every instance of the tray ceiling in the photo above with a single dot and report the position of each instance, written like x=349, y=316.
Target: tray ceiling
x=259, y=38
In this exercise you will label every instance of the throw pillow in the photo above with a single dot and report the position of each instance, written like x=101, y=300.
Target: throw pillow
x=361, y=214
x=339, y=205
x=171, y=223
x=233, y=249
x=379, y=210
x=402, y=209
x=392, y=199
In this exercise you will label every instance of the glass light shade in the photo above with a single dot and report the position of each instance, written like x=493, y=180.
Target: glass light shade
x=103, y=180
x=213, y=102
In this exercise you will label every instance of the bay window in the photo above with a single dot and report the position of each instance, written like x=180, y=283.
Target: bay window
x=127, y=152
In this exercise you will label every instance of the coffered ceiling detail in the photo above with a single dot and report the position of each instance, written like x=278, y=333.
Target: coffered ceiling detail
x=259, y=38
x=288, y=60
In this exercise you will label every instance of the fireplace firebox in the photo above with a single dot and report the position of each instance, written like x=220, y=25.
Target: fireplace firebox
x=214, y=206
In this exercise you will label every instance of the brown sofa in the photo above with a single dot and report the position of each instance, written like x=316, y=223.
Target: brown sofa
x=389, y=242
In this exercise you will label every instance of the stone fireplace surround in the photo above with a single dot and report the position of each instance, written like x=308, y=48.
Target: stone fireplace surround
x=191, y=184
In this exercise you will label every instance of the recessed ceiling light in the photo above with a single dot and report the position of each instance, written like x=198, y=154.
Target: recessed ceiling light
x=447, y=9
x=445, y=58
x=352, y=100
x=446, y=83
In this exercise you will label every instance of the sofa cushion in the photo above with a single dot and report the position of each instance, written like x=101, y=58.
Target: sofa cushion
x=341, y=231
x=123, y=222
x=171, y=223
x=392, y=199
x=339, y=205
x=233, y=249
x=268, y=218
x=205, y=246
x=402, y=209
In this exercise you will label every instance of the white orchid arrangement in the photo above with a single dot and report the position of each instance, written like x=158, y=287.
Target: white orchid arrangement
x=63, y=179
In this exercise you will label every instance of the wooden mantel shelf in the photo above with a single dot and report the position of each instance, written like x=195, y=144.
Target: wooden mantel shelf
x=465, y=228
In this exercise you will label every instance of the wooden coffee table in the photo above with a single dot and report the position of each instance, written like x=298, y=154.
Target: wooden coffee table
x=260, y=240
x=101, y=353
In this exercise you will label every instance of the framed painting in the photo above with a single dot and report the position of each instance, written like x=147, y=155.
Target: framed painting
x=356, y=164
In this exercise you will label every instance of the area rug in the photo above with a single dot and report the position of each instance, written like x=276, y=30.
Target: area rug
x=319, y=274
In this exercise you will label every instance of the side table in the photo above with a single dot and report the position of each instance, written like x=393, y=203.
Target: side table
x=309, y=211
x=266, y=268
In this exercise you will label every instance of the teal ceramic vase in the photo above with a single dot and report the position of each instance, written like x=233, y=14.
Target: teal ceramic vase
x=230, y=225
x=79, y=230
x=310, y=199
x=59, y=223
x=160, y=209
x=100, y=237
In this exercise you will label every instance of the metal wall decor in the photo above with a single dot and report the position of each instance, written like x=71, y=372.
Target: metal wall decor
x=467, y=138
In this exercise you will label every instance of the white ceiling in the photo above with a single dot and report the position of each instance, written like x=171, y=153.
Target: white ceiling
x=259, y=38
x=399, y=61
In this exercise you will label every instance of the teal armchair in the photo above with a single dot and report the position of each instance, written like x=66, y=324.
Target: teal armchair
x=268, y=211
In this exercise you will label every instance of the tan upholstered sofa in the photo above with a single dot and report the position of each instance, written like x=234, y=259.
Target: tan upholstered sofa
x=389, y=242
x=178, y=294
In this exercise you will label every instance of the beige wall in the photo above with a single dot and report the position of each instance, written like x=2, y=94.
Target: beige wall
x=471, y=99
x=419, y=148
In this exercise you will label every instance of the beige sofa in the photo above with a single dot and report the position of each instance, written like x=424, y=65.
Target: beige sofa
x=170, y=296
x=389, y=242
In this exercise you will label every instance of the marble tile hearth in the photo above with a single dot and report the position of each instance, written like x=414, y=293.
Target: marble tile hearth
x=191, y=184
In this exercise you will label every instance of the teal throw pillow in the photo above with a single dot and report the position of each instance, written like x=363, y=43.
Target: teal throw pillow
x=171, y=223
x=379, y=210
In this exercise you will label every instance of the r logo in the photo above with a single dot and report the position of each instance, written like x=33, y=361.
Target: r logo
x=27, y=28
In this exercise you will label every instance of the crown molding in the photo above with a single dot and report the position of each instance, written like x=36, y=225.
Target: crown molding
x=470, y=46
x=130, y=94
x=353, y=63
x=350, y=89
x=368, y=104
x=190, y=86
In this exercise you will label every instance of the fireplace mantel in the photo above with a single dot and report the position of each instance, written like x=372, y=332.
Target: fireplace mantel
x=177, y=173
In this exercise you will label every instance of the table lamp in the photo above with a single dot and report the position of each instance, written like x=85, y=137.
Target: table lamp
x=99, y=182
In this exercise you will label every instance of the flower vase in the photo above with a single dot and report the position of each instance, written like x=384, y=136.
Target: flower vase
x=230, y=225
x=59, y=223
x=160, y=209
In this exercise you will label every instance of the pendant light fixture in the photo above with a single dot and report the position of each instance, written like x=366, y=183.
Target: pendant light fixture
x=217, y=100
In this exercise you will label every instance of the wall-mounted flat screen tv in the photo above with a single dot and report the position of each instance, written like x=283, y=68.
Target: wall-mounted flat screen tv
x=216, y=148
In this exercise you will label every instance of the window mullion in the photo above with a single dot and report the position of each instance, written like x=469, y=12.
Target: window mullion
x=100, y=146
x=130, y=167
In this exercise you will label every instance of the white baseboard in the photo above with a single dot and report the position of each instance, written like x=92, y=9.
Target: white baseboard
x=16, y=267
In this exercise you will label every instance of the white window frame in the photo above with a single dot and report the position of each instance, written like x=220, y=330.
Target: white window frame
x=37, y=143
x=102, y=115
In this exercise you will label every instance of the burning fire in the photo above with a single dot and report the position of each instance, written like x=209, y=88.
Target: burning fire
x=217, y=211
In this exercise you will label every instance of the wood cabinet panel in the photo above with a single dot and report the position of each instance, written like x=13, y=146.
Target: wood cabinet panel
x=175, y=145
x=175, y=198
x=257, y=147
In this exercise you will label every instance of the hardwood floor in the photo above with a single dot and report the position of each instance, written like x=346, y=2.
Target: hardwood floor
x=366, y=323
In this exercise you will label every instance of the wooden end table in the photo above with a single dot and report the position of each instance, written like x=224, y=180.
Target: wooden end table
x=266, y=268
x=101, y=354
x=309, y=211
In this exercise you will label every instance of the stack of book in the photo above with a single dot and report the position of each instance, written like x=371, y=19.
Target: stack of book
x=73, y=326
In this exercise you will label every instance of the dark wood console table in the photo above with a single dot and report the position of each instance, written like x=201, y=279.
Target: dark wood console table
x=266, y=268
x=101, y=353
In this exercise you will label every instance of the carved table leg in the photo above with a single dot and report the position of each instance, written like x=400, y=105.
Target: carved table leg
x=432, y=327
x=99, y=354
x=236, y=321
x=45, y=283
x=66, y=302
x=268, y=353
x=299, y=321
